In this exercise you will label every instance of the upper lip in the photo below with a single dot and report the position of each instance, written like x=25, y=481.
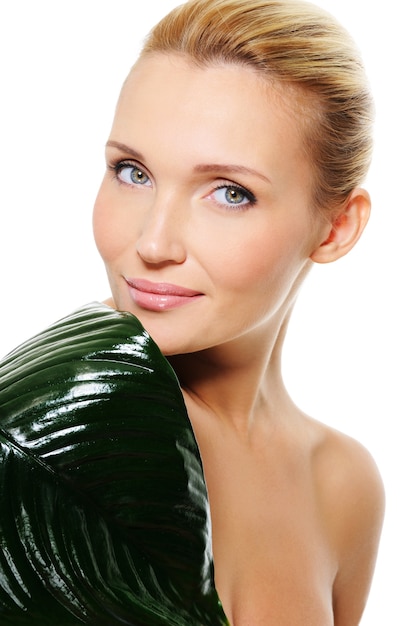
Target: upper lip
x=162, y=289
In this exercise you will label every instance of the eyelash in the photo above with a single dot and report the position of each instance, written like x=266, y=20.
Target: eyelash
x=252, y=200
x=117, y=166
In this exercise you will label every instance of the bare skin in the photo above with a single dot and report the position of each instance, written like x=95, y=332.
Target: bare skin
x=212, y=270
x=297, y=508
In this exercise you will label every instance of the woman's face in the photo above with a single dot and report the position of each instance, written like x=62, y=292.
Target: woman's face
x=203, y=218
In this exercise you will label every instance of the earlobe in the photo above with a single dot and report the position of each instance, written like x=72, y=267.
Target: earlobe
x=346, y=228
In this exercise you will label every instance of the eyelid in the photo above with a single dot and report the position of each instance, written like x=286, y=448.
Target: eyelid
x=117, y=164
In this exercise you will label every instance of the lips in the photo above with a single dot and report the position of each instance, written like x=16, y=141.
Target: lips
x=160, y=296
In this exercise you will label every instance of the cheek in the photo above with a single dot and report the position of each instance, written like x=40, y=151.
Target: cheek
x=109, y=232
x=258, y=262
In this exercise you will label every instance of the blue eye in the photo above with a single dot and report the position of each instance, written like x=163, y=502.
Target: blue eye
x=232, y=195
x=132, y=175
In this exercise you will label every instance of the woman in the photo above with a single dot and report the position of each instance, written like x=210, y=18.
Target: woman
x=239, y=144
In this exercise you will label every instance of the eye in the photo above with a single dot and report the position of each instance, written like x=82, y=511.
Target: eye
x=132, y=175
x=233, y=195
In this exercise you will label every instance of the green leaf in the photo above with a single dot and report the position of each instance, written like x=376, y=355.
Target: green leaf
x=104, y=514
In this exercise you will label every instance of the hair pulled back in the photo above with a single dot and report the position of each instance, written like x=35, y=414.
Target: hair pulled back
x=289, y=42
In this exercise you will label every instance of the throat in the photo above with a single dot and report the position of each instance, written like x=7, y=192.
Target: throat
x=238, y=397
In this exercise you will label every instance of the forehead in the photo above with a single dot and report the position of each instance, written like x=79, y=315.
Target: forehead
x=212, y=89
x=225, y=111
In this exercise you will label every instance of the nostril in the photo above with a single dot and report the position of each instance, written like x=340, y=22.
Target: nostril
x=157, y=248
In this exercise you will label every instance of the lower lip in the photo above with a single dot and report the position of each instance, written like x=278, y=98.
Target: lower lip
x=160, y=302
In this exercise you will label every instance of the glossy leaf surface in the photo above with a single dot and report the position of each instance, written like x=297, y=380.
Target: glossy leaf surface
x=104, y=515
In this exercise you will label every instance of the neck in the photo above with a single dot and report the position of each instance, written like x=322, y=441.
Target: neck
x=238, y=383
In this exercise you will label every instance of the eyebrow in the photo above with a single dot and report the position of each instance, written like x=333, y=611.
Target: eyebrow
x=229, y=169
x=124, y=148
x=212, y=168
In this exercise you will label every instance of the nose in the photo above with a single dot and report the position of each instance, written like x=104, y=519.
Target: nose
x=161, y=236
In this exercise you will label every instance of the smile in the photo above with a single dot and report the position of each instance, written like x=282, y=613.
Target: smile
x=160, y=296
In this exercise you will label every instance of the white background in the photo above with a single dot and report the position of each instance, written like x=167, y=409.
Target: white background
x=351, y=351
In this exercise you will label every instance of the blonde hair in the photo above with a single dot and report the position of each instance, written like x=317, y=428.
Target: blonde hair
x=288, y=42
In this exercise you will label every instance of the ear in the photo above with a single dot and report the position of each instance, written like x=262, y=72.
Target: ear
x=345, y=229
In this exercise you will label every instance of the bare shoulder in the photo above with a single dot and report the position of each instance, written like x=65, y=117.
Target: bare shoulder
x=344, y=467
x=351, y=496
